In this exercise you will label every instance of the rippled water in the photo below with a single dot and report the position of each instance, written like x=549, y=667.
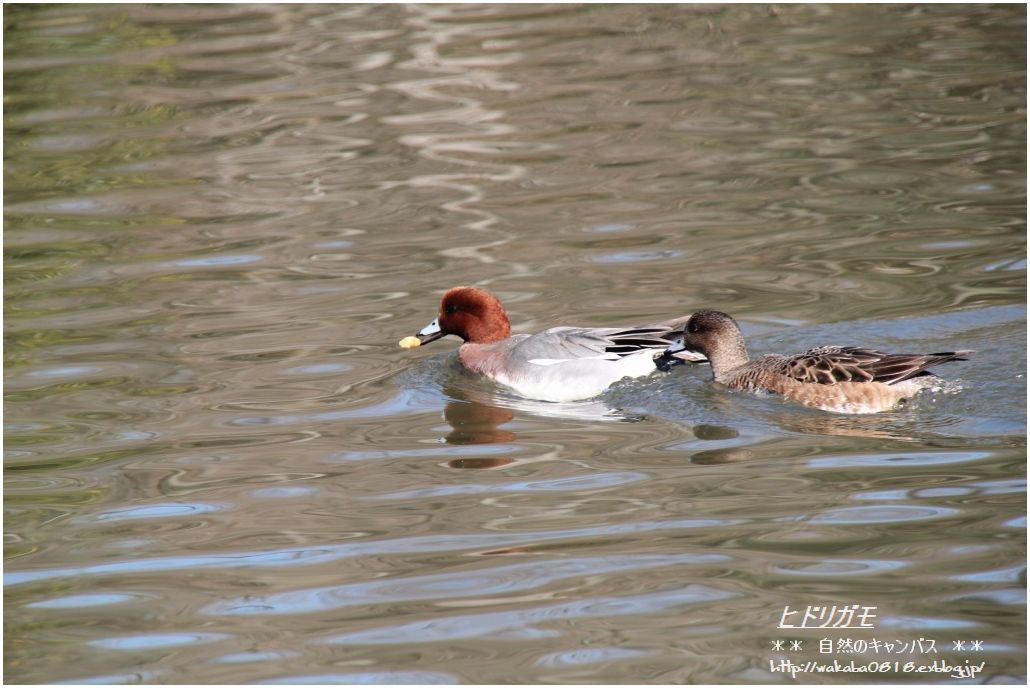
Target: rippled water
x=220, y=220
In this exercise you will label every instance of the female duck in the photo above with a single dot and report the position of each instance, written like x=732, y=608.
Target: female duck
x=831, y=378
x=559, y=364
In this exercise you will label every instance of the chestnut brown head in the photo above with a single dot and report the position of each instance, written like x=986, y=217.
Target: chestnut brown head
x=471, y=313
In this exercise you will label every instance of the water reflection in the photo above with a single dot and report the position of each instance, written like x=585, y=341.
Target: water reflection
x=532, y=622
x=478, y=413
x=886, y=425
x=476, y=423
x=217, y=216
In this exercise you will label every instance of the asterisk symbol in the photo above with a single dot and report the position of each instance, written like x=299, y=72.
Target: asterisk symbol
x=795, y=644
x=958, y=645
x=777, y=644
x=978, y=646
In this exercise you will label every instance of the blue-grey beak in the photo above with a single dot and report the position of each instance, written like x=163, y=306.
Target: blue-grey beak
x=431, y=332
x=668, y=358
x=675, y=347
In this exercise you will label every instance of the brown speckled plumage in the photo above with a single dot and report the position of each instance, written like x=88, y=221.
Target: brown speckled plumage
x=831, y=378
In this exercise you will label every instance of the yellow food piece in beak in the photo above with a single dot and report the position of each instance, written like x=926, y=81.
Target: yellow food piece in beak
x=410, y=342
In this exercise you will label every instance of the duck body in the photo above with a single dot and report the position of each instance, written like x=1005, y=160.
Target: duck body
x=840, y=379
x=559, y=364
x=831, y=378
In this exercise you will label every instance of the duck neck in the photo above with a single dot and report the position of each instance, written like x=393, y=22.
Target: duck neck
x=727, y=355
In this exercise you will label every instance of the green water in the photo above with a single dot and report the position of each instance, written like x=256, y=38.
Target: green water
x=220, y=468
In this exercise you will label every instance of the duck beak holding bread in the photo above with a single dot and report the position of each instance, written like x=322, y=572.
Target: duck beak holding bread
x=429, y=333
x=668, y=358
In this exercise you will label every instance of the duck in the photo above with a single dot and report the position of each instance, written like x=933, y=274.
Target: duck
x=560, y=364
x=839, y=379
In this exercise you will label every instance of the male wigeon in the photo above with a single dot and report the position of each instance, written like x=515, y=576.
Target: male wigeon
x=559, y=364
x=832, y=378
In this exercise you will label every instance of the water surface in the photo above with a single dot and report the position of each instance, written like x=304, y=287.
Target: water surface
x=220, y=220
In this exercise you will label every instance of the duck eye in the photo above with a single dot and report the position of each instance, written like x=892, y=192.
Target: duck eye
x=451, y=309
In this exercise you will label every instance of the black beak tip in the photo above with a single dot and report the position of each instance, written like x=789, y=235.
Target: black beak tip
x=666, y=361
x=426, y=338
